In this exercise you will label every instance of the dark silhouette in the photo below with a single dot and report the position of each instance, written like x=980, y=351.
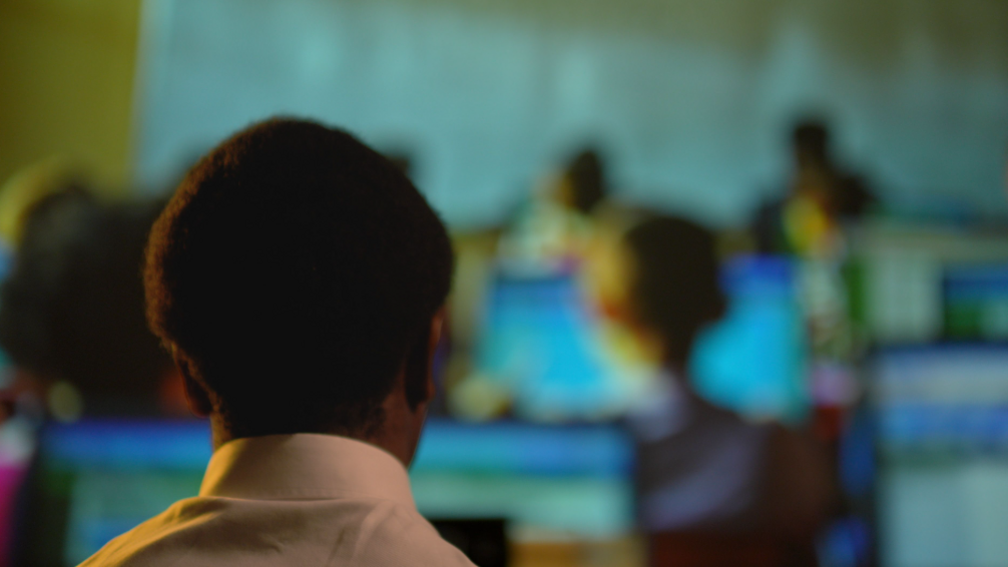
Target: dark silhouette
x=847, y=195
x=675, y=289
x=709, y=482
x=298, y=279
x=587, y=184
x=72, y=309
x=839, y=195
x=293, y=274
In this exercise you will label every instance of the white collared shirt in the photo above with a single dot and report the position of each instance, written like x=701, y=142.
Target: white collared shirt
x=304, y=500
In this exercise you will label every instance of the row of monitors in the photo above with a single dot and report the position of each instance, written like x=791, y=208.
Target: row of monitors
x=940, y=495
x=97, y=479
x=543, y=345
x=939, y=413
x=939, y=425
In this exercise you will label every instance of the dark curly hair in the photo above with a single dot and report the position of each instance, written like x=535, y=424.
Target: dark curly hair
x=295, y=272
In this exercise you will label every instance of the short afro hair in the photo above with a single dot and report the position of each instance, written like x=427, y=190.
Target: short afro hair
x=295, y=272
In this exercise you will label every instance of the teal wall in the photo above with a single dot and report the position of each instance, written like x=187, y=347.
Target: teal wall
x=690, y=100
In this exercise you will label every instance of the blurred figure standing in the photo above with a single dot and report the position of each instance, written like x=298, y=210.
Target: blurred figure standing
x=551, y=230
x=808, y=224
x=713, y=489
x=820, y=195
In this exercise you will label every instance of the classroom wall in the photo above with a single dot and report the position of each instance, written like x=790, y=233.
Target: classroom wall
x=691, y=101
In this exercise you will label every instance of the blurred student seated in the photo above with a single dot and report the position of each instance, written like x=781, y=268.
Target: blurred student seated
x=713, y=488
x=298, y=278
x=72, y=308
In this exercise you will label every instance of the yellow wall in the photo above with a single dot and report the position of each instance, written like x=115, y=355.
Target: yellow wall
x=66, y=84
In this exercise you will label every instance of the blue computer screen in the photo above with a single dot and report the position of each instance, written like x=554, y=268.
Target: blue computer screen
x=101, y=478
x=540, y=340
x=942, y=441
x=754, y=360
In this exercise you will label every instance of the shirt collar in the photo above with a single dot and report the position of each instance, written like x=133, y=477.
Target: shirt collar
x=305, y=466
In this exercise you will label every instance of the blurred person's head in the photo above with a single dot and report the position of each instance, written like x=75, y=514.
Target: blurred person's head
x=663, y=283
x=810, y=143
x=836, y=192
x=298, y=278
x=584, y=183
x=72, y=308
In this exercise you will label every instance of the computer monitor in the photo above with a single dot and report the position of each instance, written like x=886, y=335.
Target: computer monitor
x=541, y=343
x=574, y=481
x=976, y=302
x=754, y=360
x=942, y=442
x=97, y=479
x=94, y=480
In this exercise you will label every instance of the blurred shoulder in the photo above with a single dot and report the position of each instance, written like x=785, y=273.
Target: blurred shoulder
x=227, y=531
x=158, y=540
